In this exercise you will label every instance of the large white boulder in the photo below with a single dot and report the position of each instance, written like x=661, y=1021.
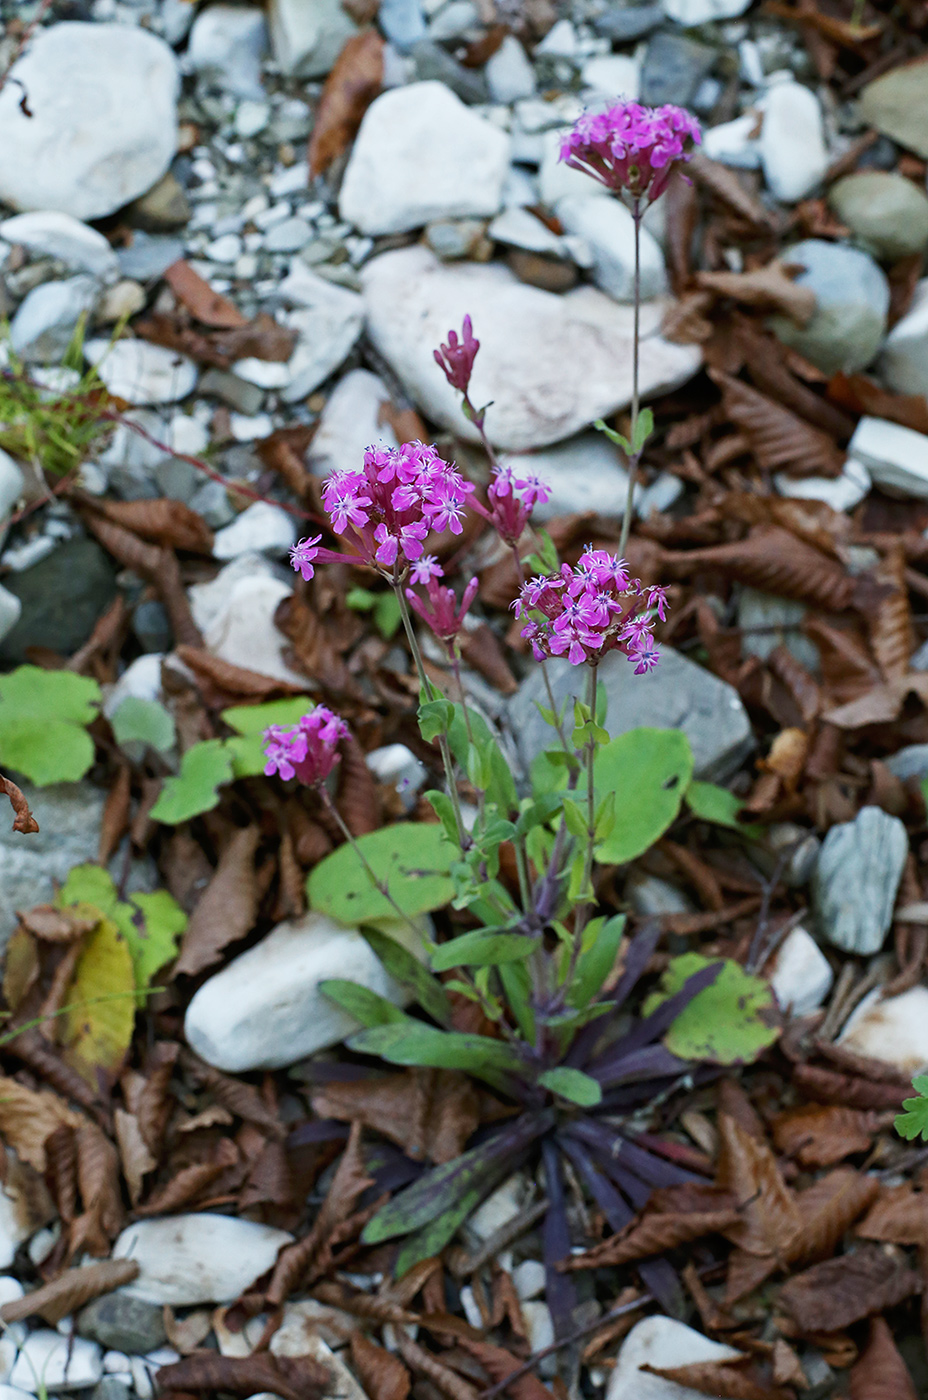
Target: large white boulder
x=197, y=1258
x=103, y=123
x=549, y=364
x=422, y=155
x=51, y=234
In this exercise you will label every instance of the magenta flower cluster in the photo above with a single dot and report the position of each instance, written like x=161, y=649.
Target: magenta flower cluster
x=308, y=750
x=632, y=148
x=441, y=612
x=590, y=609
x=512, y=499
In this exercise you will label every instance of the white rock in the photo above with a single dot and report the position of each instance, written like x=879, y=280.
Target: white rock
x=197, y=1258
x=250, y=427
x=501, y=1206
x=227, y=247
x=350, y=423
x=16, y=1225
x=550, y=364
x=55, y=1363
x=561, y=41
x=47, y=317
x=141, y=680
x=308, y=35
x=227, y=43
x=529, y=1278
x=116, y=1363
x=235, y=613
x=422, y=155
x=651, y=897
x=558, y=181
x=328, y=322
x=142, y=373
x=894, y=1031
x=308, y=1319
x=342, y=1383
x=663, y=492
x=735, y=142
x=262, y=528
x=119, y=302
x=609, y=229
x=903, y=363
x=661, y=1341
x=265, y=1009
x=103, y=123
x=583, y=474
x=12, y=483
x=288, y=236
x=792, y=141
x=397, y=765
x=690, y=13
x=799, y=973
x=520, y=229
x=14, y=1392
x=842, y=492
x=612, y=75
x=509, y=72
x=49, y=233
x=540, y=1324
x=895, y=457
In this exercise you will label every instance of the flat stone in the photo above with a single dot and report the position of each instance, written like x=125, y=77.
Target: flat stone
x=852, y=302
x=47, y=318
x=88, y=147
x=235, y=613
x=509, y=72
x=452, y=239
x=608, y=75
x=903, y=363
x=529, y=1278
x=583, y=474
x=625, y=23
x=197, y=1258
x=792, y=141
x=124, y=299
x=264, y=1010
x=894, y=1030
x=120, y=1322
x=649, y=896
x=549, y=364
x=887, y=212
x=799, y=973
x=142, y=373
x=12, y=483
x=402, y=22
x=691, y=13
x=539, y=270
x=350, y=423
x=308, y=35
x=842, y=492
x=262, y=528
x=912, y=761
x=895, y=457
x=897, y=104
x=674, y=66
x=47, y=1361
x=165, y=206
x=420, y=155
x=768, y=620
x=735, y=142
x=149, y=255
x=519, y=228
x=226, y=44
x=397, y=766
x=609, y=229
x=678, y=694
x=288, y=236
x=62, y=597
x=32, y=867
x=237, y=393
x=663, y=1342
x=328, y=322
x=433, y=63
x=49, y=233
x=856, y=878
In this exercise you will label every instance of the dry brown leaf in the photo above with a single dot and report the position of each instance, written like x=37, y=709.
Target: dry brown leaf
x=819, y=1136
x=725, y=185
x=226, y=910
x=186, y=1185
x=261, y=338
x=429, y=1113
x=349, y=90
x=892, y=635
x=383, y=1375
x=899, y=1215
x=57, y=925
x=283, y=451
x=101, y=1198
x=358, y=793
x=162, y=521
x=288, y=1377
x=23, y=820
x=70, y=1291
x=218, y=679
x=28, y=1117
x=881, y=1373
x=770, y=288
x=500, y=1363
x=237, y=1095
x=828, y=1208
x=154, y=1103
x=448, y=1382
x=655, y=1234
x=134, y=1155
x=787, y=757
x=723, y=1380
x=774, y=560
x=787, y=1368
x=769, y=1217
x=201, y=301
x=833, y=1295
x=860, y=394
x=779, y=438
x=880, y=705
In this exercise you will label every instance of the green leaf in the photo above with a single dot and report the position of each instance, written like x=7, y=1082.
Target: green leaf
x=443, y=808
x=151, y=924
x=517, y=988
x=360, y=599
x=613, y=436
x=414, y=1043
x=913, y=1122
x=712, y=803
x=367, y=1007
x=596, y=962
x=644, y=427
x=429, y=1241
x=649, y=771
x=482, y=948
x=42, y=719
x=387, y=614
x=729, y=1023
x=195, y=789
x=97, y=1027
x=250, y=722
x=413, y=860
x=435, y=718
x=144, y=722
x=572, y=1084
x=406, y=969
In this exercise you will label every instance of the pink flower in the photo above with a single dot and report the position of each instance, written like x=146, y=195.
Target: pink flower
x=456, y=359
x=425, y=568
x=442, y=613
x=507, y=511
x=308, y=750
x=632, y=148
x=585, y=611
x=302, y=556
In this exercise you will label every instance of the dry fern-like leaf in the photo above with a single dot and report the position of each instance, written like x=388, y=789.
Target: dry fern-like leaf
x=770, y=288
x=892, y=635
x=779, y=438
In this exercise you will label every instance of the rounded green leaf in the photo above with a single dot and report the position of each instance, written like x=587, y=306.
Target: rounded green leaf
x=411, y=858
x=729, y=1023
x=648, y=770
x=203, y=769
x=143, y=721
x=46, y=751
x=41, y=695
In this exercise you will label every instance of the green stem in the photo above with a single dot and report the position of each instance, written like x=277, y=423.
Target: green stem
x=379, y=885
x=636, y=338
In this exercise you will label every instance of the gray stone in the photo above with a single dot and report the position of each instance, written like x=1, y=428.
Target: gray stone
x=110, y=1388
x=49, y=233
x=852, y=301
x=678, y=694
x=62, y=598
x=87, y=147
x=609, y=229
x=211, y=500
x=673, y=68
x=31, y=867
x=288, y=236
x=165, y=206
x=912, y=761
x=403, y=22
x=626, y=23
x=455, y=20
x=308, y=35
x=855, y=881
x=897, y=104
x=47, y=318
x=229, y=389
x=453, y=239
x=650, y=896
x=841, y=492
x=120, y=1322
x=583, y=474
x=227, y=43
x=435, y=64
x=690, y=13
x=768, y=620
x=887, y=212
x=148, y=256
x=151, y=626
x=904, y=361
x=896, y=457
x=509, y=72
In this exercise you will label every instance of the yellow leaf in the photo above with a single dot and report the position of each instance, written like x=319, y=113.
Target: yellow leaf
x=97, y=1026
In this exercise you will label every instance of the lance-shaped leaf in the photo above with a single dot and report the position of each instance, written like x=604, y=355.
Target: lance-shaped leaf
x=413, y=1043
x=360, y=1002
x=572, y=1084
x=406, y=969
x=647, y=1030
x=483, y=948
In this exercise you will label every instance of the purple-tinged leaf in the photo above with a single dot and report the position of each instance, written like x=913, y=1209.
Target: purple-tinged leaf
x=560, y=1289
x=652, y=1027
x=600, y=1188
x=650, y=1062
x=661, y=1278
x=638, y=954
x=319, y=1130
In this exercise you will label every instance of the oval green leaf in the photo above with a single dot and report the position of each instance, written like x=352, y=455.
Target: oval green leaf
x=411, y=858
x=649, y=771
x=729, y=1023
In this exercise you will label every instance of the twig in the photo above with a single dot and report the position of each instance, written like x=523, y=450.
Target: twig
x=500, y=1239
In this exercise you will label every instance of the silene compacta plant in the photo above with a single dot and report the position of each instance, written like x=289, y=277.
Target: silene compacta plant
x=548, y=974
